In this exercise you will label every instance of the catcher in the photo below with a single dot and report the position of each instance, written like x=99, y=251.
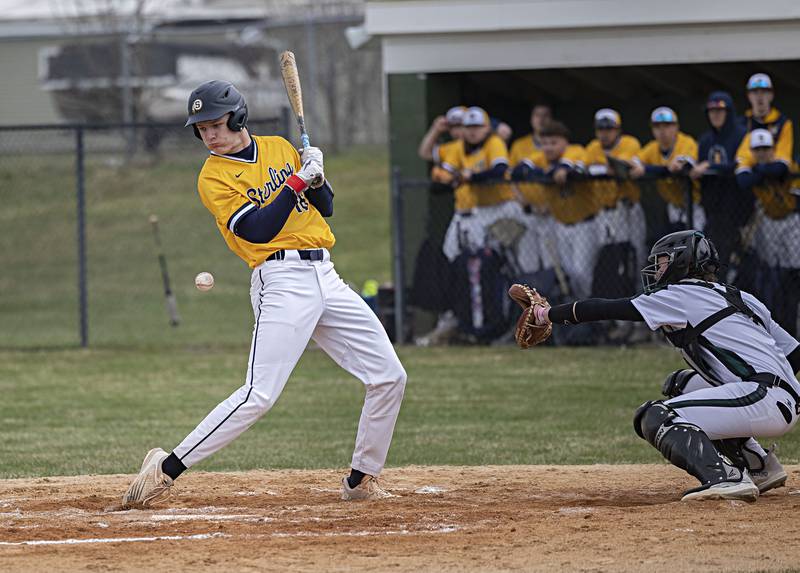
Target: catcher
x=741, y=377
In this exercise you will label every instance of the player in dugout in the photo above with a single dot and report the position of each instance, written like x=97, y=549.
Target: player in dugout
x=762, y=115
x=621, y=218
x=483, y=195
x=671, y=154
x=574, y=206
x=777, y=234
x=727, y=207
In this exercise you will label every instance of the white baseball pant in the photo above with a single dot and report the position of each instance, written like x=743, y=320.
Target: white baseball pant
x=294, y=301
x=734, y=410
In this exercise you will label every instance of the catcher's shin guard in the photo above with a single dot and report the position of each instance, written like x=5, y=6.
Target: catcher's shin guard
x=684, y=445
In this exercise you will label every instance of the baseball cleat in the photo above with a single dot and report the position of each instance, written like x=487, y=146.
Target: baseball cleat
x=152, y=485
x=742, y=490
x=367, y=489
x=772, y=475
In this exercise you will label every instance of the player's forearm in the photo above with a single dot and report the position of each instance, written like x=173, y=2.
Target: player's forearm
x=322, y=199
x=774, y=170
x=262, y=225
x=747, y=179
x=656, y=171
x=425, y=150
x=593, y=309
x=496, y=173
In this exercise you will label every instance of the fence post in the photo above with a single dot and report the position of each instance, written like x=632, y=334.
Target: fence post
x=399, y=257
x=81, y=206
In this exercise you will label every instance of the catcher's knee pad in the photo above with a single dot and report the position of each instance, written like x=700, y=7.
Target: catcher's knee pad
x=650, y=419
x=676, y=382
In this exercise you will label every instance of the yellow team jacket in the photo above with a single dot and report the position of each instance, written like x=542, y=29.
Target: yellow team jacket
x=576, y=201
x=609, y=191
x=230, y=188
x=492, y=152
x=782, y=132
x=672, y=190
x=775, y=197
x=525, y=150
x=445, y=156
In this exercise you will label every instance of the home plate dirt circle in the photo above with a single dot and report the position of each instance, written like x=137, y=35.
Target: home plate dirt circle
x=526, y=518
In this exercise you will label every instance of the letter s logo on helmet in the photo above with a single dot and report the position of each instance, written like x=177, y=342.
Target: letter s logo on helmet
x=197, y=105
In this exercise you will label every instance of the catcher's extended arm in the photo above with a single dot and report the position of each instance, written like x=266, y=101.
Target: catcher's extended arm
x=528, y=333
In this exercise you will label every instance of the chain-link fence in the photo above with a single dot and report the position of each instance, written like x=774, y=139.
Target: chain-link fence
x=588, y=237
x=83, y=208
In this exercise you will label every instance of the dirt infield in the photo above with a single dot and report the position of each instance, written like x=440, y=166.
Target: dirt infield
x=531, y=518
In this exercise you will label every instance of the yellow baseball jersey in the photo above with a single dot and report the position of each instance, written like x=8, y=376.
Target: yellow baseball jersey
x=492, y=152
x=609, y=191
x=445, y=156
x=775, y=197
x=782, y=132
x=525, y=149
x=672, y=190
x=576, y=201
x=230, y=188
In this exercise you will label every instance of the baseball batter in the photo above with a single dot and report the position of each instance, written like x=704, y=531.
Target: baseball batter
x=741, y=379
x=269, y=204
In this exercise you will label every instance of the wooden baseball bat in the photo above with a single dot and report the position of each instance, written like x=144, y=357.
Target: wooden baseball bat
x=172, y=304
x=291, y=79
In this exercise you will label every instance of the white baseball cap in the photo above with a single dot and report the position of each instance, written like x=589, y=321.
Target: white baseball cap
x=476, y=116
x=761, y=138
x=607, y=117
x=759, y=82
x=663, y=114
x=455, y=115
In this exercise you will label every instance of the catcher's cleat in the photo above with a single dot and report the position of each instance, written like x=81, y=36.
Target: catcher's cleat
x=772, y=475
x=742, y=490
x=152, y=485
x=367, y=489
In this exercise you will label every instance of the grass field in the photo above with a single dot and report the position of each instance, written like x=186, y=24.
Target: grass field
x=68, y=412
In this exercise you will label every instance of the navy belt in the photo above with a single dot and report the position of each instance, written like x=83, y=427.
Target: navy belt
x=305, y=255
x=773, y=381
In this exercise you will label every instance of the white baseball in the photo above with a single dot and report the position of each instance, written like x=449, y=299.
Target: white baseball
x=204, y=281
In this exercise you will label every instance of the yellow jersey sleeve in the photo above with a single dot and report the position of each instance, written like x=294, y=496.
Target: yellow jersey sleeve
x=495, y=151
x=744, y=156
x=594, y=154
x=447, y=155
x=650, y=154
x=685, y=148
x=627, y=148
x=784, y=143
x=574, y=155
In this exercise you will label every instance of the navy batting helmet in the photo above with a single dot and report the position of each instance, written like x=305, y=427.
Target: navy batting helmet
x=688, y=254
x=212, y=100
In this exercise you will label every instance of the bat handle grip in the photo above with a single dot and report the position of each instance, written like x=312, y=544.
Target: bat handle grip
x=305, y=142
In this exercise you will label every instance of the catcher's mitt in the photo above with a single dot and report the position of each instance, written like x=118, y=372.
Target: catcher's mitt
x=528, y=333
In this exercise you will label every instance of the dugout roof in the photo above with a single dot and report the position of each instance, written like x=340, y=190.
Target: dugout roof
x=477, y=35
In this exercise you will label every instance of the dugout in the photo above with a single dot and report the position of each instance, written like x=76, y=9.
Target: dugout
x=576, y=55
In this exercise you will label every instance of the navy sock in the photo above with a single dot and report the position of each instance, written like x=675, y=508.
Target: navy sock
x=172, y=466
x=355, y=478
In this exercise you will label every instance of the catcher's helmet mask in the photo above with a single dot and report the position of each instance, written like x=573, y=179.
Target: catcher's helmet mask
x=689, y=254
x=213, y=100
